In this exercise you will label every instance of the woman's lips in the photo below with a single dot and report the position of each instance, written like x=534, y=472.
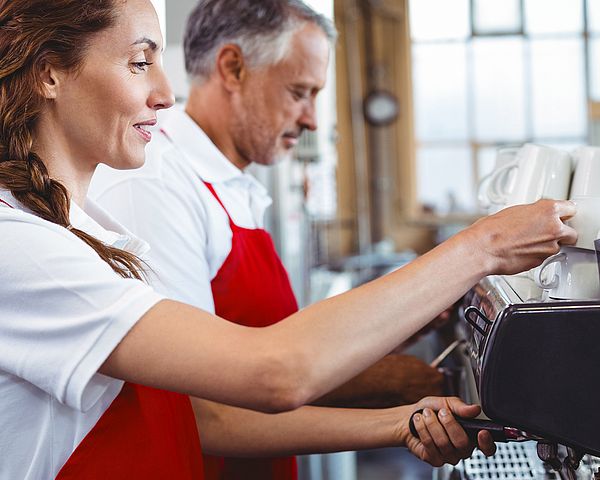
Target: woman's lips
x=144, y=133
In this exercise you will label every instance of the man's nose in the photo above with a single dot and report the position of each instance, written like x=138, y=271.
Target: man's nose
x=308, y=118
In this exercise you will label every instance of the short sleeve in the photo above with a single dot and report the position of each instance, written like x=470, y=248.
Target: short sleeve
x=177, y=235
x=62, y=309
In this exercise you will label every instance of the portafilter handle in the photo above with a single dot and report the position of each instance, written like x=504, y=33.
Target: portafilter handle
x=473, y=426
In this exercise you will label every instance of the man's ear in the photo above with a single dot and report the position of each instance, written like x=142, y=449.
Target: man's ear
x=50, y=80
x=231, y=67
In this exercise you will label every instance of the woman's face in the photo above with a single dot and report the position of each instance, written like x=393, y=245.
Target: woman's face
x=104, y=111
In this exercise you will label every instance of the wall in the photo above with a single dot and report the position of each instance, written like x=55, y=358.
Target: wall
x=376, y=173
x=177, y=12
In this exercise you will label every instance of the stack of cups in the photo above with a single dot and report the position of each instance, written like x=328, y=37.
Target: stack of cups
x=526, y=175
x=576, y=267
x=533, y=172
x=505, y=159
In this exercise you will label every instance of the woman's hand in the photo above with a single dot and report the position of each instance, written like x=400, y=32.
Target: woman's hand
x=521, y=237
x=441, y=438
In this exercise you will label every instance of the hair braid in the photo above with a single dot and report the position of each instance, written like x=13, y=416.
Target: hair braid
x=30, y=31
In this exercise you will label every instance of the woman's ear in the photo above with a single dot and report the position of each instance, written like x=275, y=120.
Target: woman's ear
x=49, y=77
x=231, y=66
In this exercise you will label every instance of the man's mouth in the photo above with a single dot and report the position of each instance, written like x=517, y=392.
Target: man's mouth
x=290, y=140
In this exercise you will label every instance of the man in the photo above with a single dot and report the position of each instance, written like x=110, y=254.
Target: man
x=256, y=69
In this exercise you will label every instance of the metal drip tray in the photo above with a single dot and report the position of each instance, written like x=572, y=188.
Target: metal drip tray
x=512, y=460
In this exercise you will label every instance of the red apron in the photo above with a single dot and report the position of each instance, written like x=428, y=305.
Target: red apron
x=251, y=288
x=146, y=434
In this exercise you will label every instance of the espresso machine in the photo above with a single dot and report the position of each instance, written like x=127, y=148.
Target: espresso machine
x=534, y=366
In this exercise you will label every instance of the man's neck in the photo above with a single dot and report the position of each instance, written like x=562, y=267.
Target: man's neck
x=208, y=111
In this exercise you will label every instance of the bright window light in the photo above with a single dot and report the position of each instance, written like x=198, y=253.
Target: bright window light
x=324, y=7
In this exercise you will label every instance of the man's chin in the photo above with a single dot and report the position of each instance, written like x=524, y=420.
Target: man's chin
x=284, y=155
x=281, y=156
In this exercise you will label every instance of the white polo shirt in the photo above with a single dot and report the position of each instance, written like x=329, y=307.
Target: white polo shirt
x=167, y=204
x=62, y=312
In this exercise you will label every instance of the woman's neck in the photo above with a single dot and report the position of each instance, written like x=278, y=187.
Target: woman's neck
x=63, y=163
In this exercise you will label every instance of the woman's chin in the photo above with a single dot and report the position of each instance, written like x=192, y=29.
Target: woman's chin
x=128, y=164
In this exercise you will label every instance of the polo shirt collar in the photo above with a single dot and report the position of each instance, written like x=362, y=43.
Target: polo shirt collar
x=205, y=158
x=95, y=221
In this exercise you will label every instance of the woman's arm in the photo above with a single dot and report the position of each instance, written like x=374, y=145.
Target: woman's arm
x=289, y=364
x=232, y=431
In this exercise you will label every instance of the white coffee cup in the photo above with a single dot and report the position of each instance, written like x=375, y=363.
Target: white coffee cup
x=505, y=156
x=586, y=221
x=586, y=179
x=575, y=274
x=541, y=172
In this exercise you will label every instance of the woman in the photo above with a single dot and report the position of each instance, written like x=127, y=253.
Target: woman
x=80, y=83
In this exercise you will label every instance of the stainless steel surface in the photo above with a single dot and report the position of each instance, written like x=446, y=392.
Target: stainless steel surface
x=517, y=461
x=511, y=461
x=490, y=297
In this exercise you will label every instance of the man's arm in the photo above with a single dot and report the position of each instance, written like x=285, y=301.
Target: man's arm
x=394, y=380
x=231, y=431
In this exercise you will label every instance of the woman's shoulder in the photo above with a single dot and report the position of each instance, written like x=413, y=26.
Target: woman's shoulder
x=28, y=242
x=11, y=212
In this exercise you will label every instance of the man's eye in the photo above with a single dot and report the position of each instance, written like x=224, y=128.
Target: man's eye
x=298, y=95
x=140, y=66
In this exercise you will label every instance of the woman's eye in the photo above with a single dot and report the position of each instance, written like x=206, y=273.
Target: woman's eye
x=140, y=66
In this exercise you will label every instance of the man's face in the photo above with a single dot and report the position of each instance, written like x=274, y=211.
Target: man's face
x=278, y=102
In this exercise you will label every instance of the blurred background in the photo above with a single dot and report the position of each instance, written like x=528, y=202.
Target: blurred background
x=420, y=96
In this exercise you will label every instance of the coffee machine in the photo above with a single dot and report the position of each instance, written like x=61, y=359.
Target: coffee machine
x=533, y=365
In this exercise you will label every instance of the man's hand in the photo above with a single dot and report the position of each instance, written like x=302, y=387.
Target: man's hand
x=521, y=237
x=441, y=438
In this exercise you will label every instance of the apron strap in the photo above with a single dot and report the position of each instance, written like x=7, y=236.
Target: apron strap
x=211, y=189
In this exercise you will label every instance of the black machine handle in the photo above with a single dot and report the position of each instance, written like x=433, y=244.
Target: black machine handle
x=474, y=310
x=470, y=426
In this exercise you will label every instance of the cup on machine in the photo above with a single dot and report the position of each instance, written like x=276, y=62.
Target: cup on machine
x=573, y=274
x=536, y=172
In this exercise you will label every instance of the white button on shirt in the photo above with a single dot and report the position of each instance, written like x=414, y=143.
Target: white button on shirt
x=168, y=205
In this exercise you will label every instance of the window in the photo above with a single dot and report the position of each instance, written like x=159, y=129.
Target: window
x=488, y=73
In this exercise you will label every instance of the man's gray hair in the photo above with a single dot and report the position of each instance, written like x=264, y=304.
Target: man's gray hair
x=261, y=28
